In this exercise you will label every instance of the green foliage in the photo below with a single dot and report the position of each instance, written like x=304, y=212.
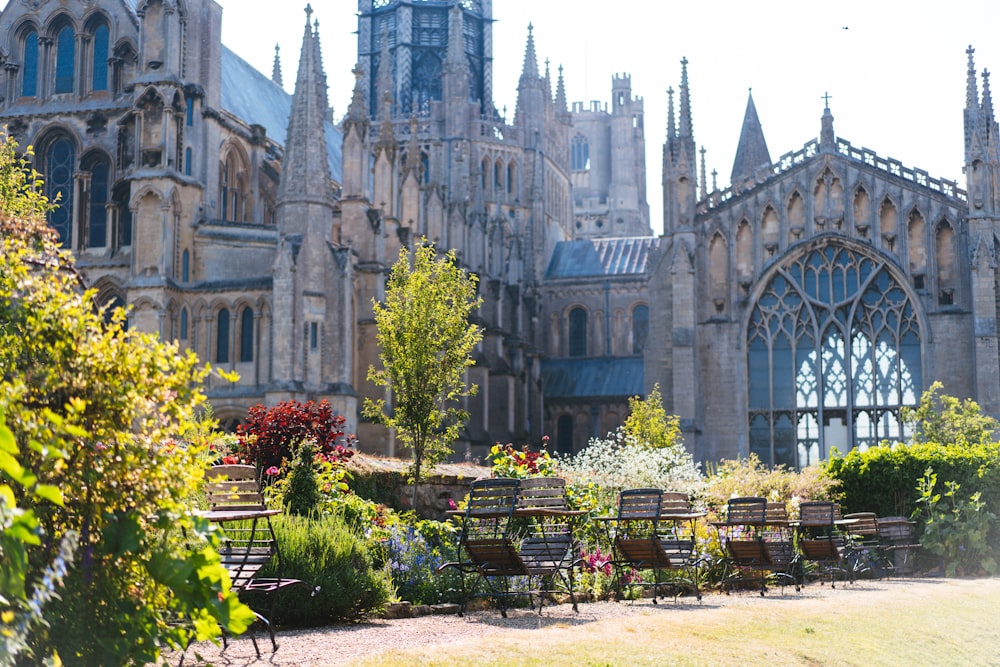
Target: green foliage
x=302, y=497
x=884, y=479
x=734, y=478
x=411, y=551
x=944, y=419
x=23, y=204
x=426, y=342
x=957, y=531
x=325, y=552
x=101, y=413
x=648, y=423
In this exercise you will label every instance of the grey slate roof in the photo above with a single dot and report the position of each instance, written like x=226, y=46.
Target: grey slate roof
x=593, y=377
x=601, y=257
x=257, y=100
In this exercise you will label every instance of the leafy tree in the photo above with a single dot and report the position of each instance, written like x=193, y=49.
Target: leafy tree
x=648, y=423
x=944, y=419
x=101, y=414
x=426, y=342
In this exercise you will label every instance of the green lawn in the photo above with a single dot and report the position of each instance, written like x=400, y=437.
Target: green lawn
x=925, y=622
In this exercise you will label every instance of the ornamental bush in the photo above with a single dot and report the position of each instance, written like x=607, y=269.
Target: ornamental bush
x=270, y=435
x=105, y=415
x=325, y=552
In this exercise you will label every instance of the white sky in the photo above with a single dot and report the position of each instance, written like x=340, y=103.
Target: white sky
x=896, y=75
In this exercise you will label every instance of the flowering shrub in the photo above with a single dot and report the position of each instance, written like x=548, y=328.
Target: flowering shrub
x=617, y=462
x=750, y=477
x=270, y=433
x=412, y=552
x=322, y=482
x=508, y=461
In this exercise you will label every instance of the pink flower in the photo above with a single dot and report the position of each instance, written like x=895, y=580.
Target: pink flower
x=452, y=504
x=272, y=471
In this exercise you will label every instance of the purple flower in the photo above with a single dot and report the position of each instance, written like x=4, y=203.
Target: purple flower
x=272, y=471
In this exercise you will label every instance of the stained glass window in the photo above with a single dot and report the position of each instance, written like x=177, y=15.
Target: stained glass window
x=65, y=60
x=29, y=82
x=60, y=162
x=222, y=337
x=246, y=334
x=99, y=195
x=833, y=353
x=100, y=78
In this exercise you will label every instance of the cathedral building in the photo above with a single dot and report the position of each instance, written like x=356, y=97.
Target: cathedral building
x=793, y=313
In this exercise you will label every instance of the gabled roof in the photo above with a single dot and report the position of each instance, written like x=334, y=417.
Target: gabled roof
x=257, y=100
x=601, y=257
x=620, y=377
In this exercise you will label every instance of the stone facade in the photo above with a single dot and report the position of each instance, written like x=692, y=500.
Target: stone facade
x=789, y=314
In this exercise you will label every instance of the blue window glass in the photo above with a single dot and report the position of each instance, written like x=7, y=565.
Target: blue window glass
x=222, y=337
x=187, y=161
x=246, y=335
x=189, y=114
x=98, y=230
x=184, y=324
x=185, y=266
x=60, y=161
x=640, y=328
x=100, y=79
x=125, y=224
x=29, y=82
x=578, y=332
x=65, y=60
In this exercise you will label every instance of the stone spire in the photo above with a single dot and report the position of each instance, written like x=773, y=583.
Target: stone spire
x=670, y=147
x=276, y=67
x=305, y=167
x=704, y=185
x=987, y=99
x=529, y=71
x=827, y=139
x=561, y=104
x=686, y=126
x=751, y=151
x=455, y=74
x=357, y=110
x=971, y=111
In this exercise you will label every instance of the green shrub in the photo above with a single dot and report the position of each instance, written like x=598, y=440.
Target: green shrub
x=302, y=496
x=884, y=479
x=412, y=551
x=104, y=414
x=323, y=552
x=957, y=531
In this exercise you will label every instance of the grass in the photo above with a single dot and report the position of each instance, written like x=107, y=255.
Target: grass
x=933, y=621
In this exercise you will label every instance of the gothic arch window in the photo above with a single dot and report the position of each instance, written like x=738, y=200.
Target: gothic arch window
x=511, y=176
x=485, y=177
x=60, y=163
x=233, y=187
x=185, y=266
x=833, y=353
x=580, y=153
x=222, y=337
x=95, y=201
x=426, y=80
x=123, y=213
x=640, y=328
x=578, y=332
x=65, y=59
x=246, y=334
x=564, y=434
x=498, y=173
x=29, y=78
x=187, y=161
x=184, y=324
x=99, y=77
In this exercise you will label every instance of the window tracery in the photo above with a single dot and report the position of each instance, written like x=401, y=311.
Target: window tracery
x=833, y=353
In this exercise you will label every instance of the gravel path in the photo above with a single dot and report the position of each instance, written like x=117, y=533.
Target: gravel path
x=346, y=644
